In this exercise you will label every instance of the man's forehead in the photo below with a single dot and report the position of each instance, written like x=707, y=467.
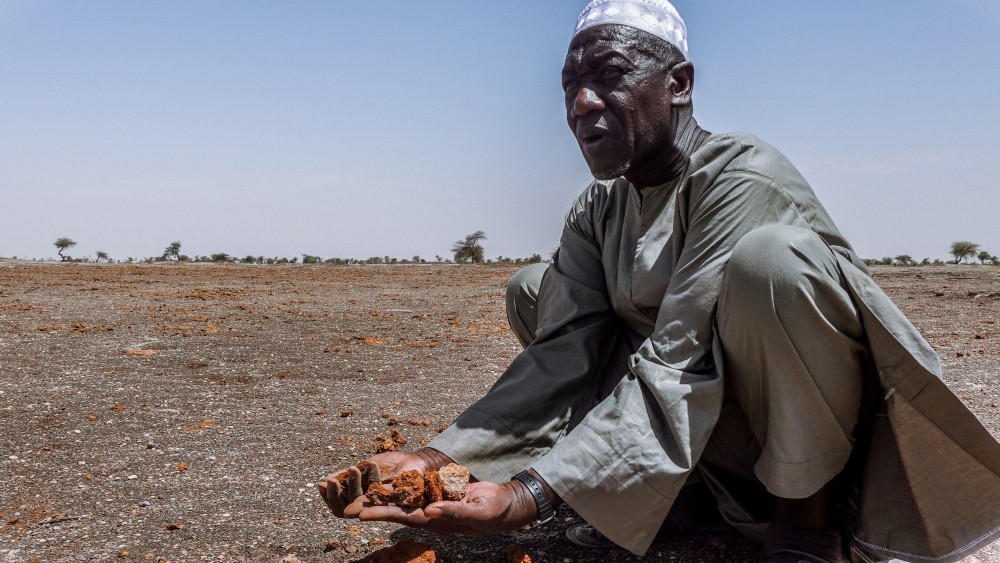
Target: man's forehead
x=602, y=41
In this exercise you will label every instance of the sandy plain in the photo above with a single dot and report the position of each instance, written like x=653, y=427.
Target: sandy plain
x=184, y=412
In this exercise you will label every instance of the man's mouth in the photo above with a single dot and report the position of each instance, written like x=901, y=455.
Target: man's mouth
x=592, y=140
x=593, y=134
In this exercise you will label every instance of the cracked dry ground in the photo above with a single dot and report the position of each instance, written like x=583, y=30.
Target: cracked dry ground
x=185, y=412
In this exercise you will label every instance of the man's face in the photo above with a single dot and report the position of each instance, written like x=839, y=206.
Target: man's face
x=617, y=101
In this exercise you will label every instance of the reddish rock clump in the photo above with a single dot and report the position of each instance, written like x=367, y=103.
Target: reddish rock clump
x=517, y=555
x=378, y=494
x=433, y=487
x=408, y=489
x=391, y=441
x=406, y=551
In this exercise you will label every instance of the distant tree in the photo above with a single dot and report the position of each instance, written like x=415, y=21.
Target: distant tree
x=62, y=243
x=963, y=249
x=173, y=250
x=469, y=250
x=101, y=255
x=905, y=260
x=220, y=257
x=984, y=256
x=925, y=262
x=310, y=259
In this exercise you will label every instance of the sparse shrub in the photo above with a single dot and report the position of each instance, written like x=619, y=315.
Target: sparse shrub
x=173, y=250
x=469, y=250
x=63, y=243
x=963, y=249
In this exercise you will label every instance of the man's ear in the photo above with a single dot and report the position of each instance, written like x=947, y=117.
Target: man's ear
x=681, y=84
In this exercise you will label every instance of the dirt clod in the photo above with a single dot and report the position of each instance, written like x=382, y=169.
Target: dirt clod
x=408, y=489
x=378, y=494
x=516, y=555
x=406, y=551
x=433, y=487
x=455, y=481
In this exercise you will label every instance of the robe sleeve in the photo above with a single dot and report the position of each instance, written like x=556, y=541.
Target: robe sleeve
x=549, y=386
x=623, y=465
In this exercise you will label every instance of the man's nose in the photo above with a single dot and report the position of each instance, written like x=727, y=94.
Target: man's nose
x=586, y=101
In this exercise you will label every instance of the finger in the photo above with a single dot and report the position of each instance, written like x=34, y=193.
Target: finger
x=354, y=489
x=330, y=491
x=392, y=513
x=448, y=511
x=354, y=509
x=374, y=474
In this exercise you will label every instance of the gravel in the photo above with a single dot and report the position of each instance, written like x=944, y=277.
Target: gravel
x=184, y=412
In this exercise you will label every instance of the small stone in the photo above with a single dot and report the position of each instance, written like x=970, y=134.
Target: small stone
x=455, y=481
x=516, y=555
x=378, y=494
x=406, y=551
x=290, y=558
x=408, y=489
x=433, y=487
x=131, y=477
x=144, y=503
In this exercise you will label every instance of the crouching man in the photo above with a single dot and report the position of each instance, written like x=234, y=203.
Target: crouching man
x=704, y=332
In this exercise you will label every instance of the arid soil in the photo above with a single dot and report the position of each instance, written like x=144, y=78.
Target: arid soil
x=185, y=412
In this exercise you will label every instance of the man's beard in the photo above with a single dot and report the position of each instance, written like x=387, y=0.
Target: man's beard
x=612, y=173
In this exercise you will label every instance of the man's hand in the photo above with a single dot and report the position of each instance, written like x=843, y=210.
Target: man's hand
x=348, y=502
x=488, y=507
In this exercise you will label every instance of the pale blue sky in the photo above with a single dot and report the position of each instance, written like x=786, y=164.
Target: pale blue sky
x=361, y=128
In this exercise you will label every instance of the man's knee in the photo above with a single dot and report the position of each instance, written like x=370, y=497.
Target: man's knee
x=522, y=301
x=778, y=257
x=525, y=283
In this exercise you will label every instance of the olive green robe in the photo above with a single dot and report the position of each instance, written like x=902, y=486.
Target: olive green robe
x=635, y=284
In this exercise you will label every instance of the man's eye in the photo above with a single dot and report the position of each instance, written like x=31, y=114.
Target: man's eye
x=612, y=72
x=569, y=85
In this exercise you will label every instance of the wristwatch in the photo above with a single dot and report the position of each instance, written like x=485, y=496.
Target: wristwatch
x=545, y=510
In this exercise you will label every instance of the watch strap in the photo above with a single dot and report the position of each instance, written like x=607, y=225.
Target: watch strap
x=544, y=505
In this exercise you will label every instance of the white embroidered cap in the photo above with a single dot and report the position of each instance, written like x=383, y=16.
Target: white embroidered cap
x=657, y=17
